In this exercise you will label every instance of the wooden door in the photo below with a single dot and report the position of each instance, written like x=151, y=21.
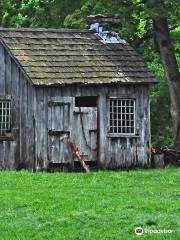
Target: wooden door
x=59, y=128
x=85, y=131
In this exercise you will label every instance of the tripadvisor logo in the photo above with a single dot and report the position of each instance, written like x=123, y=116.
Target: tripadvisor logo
x=139, y=231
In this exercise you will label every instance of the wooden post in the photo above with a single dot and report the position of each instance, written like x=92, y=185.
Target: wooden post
x=158, y=160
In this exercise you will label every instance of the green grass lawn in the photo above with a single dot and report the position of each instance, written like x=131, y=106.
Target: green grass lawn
x=99, y=205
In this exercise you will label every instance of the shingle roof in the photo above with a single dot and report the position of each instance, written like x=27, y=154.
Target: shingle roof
x=64, y=56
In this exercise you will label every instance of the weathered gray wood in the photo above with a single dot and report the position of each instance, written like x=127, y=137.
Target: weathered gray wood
x=132, y=151
x=2, y=70
x=59, y=129
x=41, y=129
x=85, y=132
x=36, y=111
x=112, y=152
x=103, y=155
x=15, y=92
x=16, y=151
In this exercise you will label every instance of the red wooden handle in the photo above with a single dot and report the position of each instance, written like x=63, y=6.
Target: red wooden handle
x=78, y=156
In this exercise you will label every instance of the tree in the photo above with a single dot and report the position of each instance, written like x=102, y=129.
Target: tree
x=162, y=37
x=35, y=13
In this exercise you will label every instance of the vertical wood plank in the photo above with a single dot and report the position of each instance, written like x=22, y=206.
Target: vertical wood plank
x=2, y=71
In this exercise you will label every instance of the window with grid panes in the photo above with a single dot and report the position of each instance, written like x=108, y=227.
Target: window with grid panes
x=5, y=117
x=122, y=116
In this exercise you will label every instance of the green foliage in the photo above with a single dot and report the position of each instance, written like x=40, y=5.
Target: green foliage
x=175, y=36
x=101, y=205
x=129, y=29
x=161, y=125
x=35, y=13
x=75, y=20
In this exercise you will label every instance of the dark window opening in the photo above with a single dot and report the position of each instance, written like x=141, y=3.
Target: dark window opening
x=87, y=101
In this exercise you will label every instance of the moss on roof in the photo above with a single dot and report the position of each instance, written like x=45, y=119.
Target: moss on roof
x=65, y=56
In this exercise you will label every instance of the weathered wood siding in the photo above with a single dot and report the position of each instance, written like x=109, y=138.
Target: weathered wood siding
x=113, y=152
x=51, y=118
x=34, y=146
x=126, y=152
x=59, y=128
x=19, y=151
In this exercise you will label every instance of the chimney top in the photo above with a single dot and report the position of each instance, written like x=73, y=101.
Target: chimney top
x=107, y=21
x=106, y=26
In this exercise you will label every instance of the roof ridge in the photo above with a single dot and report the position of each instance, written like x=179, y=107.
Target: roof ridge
x=45, y=29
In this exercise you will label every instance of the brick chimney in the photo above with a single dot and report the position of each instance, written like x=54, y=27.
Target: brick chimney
x=108, y=22
x=106, y=26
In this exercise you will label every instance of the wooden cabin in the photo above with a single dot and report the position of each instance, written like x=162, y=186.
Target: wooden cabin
x=60, y=84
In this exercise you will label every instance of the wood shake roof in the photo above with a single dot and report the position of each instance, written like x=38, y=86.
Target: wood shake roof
x=65, y=56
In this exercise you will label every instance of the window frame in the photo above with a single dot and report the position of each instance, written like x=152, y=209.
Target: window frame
x=118, y=134
x=8, y=132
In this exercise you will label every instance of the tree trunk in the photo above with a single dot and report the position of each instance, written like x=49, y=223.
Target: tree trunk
x=170, y=65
